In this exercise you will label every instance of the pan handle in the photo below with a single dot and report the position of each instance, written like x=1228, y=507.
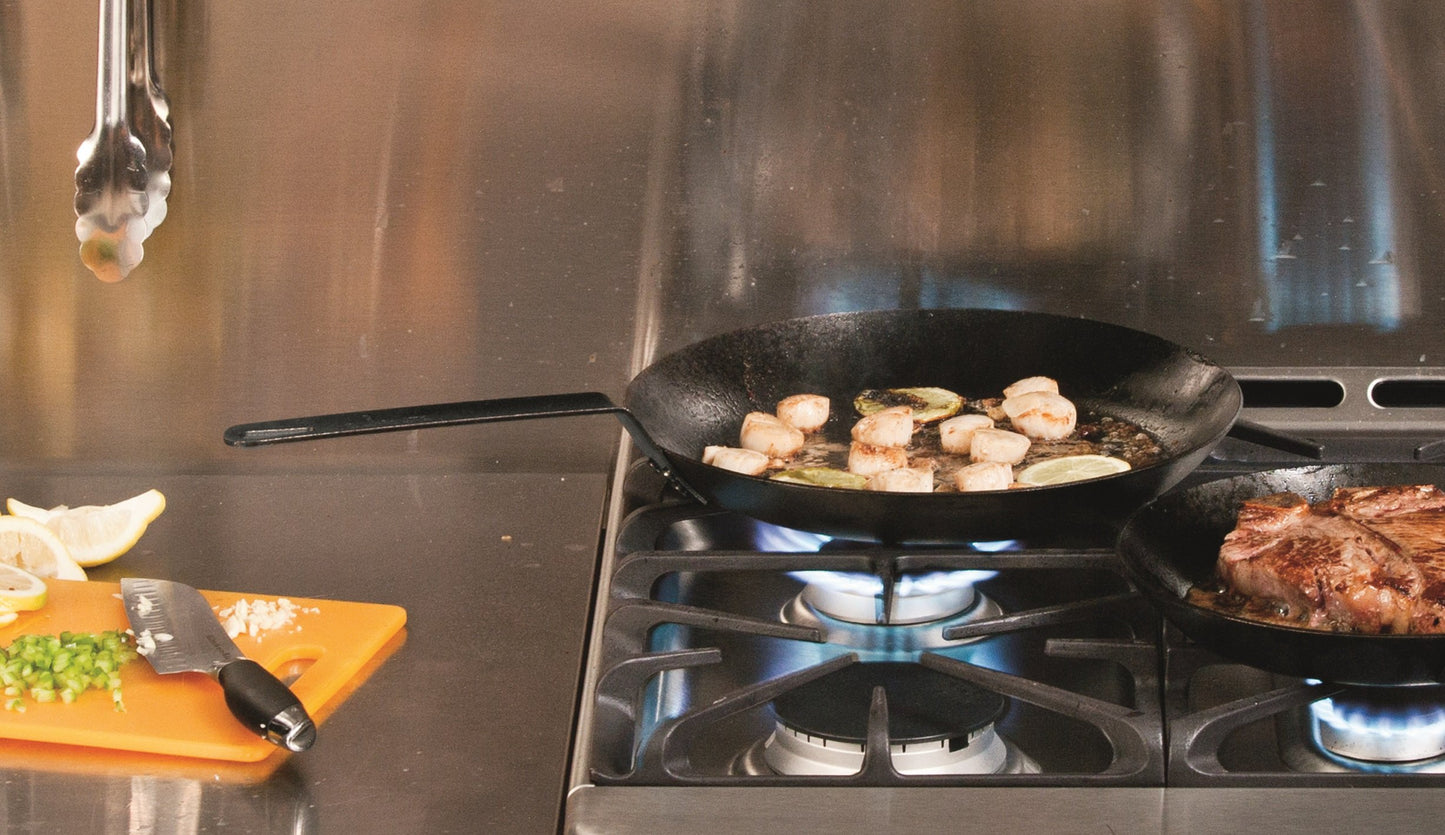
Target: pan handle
x=1257, y=433
x=316, y=427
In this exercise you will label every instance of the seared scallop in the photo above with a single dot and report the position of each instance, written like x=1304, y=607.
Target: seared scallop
x=892, y=427
x=804, y=412
x=745, y=461
x=903, y=480
x=998, y=445
x=1042, y=415
x=1029, y=384
x=984, y=475
x=955, y=435
x=867, y=459
x=769, y=435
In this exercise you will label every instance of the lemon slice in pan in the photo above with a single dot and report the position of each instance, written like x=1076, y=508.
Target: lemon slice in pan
x=822, y=477
x=1070, y=468
x=928, y=403
x=96, y=534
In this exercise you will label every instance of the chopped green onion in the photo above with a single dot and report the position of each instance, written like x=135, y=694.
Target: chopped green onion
x=48, y=668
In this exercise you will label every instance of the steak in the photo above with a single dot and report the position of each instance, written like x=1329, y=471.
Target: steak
x=1368, y=559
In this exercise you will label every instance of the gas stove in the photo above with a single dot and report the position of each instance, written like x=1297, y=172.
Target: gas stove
x=734, y=659
x=759, y=666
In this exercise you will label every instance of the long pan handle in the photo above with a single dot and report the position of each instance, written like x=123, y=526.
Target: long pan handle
x=1258, y=433
x=340, y=424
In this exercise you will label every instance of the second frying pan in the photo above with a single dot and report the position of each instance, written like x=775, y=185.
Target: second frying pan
x=1172, y=543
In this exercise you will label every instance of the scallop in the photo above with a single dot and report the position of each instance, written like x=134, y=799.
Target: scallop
x=867, y=459
x=1029, y=384
x=804, y=412
x=745, y=461
x=955, y=435
x=984, y=475
x=1042, y=415
x=998, y=445
x=769, y=435
x=892, y=427
x=903, y=480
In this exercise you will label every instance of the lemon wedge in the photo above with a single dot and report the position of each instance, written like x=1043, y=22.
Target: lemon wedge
x=29, y=545
x=1070, y=468
x=20, y=591
x=96, y=534
x=7, y=614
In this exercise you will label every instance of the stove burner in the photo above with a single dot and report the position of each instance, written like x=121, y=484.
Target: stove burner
x=937, y=724
x=847, y=608
x=916, y=598
x=1383, y=724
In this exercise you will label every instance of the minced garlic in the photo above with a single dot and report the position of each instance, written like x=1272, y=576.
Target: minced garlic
x=254, y=617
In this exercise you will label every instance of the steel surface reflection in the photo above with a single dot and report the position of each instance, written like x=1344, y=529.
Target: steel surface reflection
x=1327, y=233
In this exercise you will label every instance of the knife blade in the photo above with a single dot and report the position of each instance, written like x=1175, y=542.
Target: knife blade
x=187, y=637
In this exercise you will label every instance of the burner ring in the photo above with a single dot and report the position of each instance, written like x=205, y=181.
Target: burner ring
x=857, y=598
x=936, y=723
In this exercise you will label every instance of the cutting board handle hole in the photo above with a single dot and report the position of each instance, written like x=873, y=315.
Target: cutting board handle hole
x=293, y=669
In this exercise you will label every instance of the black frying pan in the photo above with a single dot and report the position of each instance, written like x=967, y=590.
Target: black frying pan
x=699, y=395
x=1172, y=543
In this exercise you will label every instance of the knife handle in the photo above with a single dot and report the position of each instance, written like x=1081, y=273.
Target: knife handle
x=265, y=705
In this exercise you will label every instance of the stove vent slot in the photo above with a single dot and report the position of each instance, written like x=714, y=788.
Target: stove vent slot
x=1411, y=393
x=1295, y=393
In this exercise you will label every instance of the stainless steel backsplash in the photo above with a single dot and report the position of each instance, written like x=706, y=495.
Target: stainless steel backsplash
x=377, y=204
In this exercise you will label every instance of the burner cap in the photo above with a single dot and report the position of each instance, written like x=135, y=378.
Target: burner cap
x=915, y=598
x=924, y=705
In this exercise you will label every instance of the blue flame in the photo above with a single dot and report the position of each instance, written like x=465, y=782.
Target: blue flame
x=907, y=585
x=1381, y=723
x=772, y=538
x=1391, y=729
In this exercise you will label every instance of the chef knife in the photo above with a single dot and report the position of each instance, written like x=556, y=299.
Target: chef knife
x=188, y=638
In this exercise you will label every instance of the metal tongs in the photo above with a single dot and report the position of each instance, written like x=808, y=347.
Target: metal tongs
x=123, y=178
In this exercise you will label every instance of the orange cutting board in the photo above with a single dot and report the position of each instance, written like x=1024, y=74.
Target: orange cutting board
x=185, y=714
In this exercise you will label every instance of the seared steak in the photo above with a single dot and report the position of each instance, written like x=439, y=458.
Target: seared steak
x=1368, y=559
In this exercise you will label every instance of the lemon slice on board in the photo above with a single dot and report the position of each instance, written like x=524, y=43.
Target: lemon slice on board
x=928, y=403
x=20, y=591
x=29, y=545
x=1070, y=468
x=96, y=534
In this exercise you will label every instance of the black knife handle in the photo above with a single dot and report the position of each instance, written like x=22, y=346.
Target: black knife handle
x=265, y=705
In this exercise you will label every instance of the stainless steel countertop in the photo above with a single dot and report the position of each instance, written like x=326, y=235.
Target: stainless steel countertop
x=464, y=728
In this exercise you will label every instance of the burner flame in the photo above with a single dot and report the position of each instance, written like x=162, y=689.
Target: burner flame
x=1383, y=725
x=778, y=539
x=907, y=585
x=773, y=538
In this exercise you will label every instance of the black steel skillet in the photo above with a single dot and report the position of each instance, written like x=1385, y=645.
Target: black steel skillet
x=1172, y=543
x=699, y=395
